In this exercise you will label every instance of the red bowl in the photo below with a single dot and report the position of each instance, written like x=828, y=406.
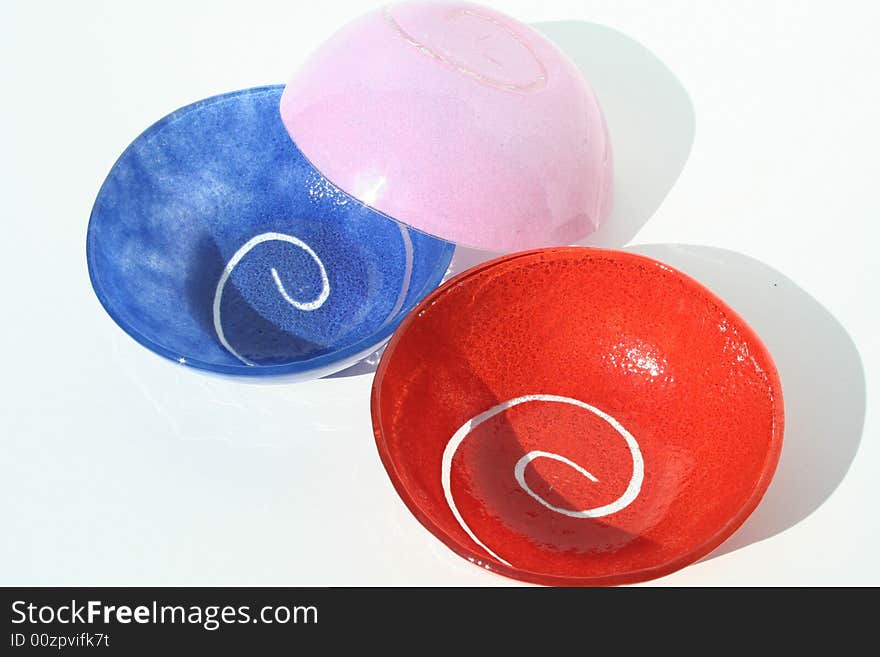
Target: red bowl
x=576, y=416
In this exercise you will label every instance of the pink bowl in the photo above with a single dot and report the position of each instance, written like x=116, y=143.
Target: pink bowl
x=456, y=120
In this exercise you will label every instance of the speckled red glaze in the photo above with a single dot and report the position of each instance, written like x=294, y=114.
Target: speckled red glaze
x=645, y=344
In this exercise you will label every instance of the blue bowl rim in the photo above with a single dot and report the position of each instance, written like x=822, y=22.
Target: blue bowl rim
x=323, y=362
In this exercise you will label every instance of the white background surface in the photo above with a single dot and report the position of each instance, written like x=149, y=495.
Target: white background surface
x=119, y=467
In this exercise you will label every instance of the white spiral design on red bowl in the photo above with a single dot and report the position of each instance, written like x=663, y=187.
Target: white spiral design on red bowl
x=630, y=494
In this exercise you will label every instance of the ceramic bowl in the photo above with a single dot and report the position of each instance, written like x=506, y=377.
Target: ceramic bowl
x=459, y=121
x=215, y=243
x=578, y=416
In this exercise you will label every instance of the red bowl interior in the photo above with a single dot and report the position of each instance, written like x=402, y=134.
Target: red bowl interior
x=578, y=416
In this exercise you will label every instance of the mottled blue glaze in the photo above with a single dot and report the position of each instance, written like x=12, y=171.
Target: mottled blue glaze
x=197, y=186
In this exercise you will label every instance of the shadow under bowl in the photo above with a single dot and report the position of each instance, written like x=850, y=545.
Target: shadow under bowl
x=576, y=416
x=214, y=242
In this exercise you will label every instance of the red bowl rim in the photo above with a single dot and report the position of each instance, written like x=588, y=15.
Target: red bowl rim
x=630, y=577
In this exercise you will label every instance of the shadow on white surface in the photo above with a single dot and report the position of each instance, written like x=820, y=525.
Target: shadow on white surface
x=823, y=381
x=651, y=120
x=367, y=365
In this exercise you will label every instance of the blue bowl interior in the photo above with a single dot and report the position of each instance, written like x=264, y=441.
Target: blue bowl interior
x=214, y=242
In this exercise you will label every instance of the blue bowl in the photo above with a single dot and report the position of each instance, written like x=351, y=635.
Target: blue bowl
x=215, y=243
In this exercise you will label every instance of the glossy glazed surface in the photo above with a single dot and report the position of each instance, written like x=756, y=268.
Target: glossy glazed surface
x=459, y=121
x=215, y=243
x=578, y=416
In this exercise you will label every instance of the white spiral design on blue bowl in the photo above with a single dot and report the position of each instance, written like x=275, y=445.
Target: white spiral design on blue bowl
x=307, y=306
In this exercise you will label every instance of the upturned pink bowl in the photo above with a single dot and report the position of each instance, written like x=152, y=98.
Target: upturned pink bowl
x=458, y=121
